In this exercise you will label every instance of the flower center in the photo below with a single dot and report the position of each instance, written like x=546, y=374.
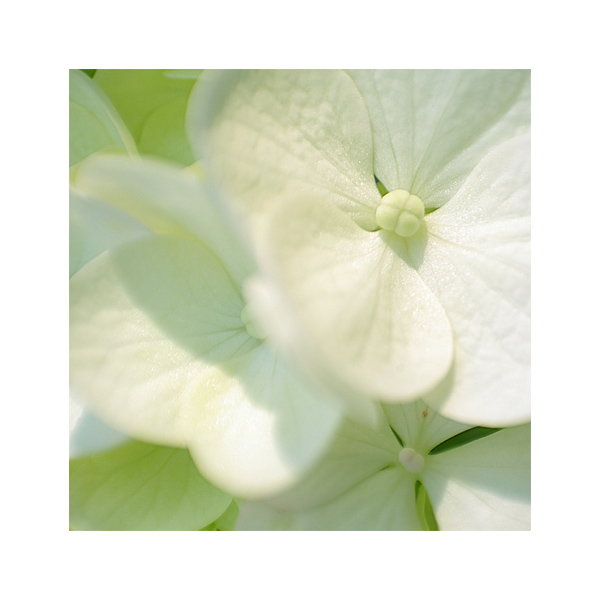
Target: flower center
x=412, y=461
x=400, y=212
x=250, y=322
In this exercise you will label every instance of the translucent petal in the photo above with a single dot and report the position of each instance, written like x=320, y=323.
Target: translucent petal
x=141, y=487
x=146, y=318
x=484, y=485
x=477, y=263
x=152, y=104
x=362, y=310
x=420, y=427
x=167, y=201
x=94, y=124
x=431, y=128
x=159, y=351
x=271, y=134
x=383, y=502
x=357, y=453
x=94, y=227
x=263, y=429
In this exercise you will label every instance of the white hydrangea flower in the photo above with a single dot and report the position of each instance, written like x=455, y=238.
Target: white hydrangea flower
x=165, y=349
x=368, y=480
x=392, y=209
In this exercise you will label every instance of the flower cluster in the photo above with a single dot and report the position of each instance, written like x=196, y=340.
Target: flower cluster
x=300, y=300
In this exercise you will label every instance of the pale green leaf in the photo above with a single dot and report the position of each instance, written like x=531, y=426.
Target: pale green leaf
x=94, y=124
x=141, y=487
x=152, y=103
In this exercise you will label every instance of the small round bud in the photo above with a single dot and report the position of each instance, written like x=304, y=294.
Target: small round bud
x=400, y=212
x=412, y=461
x=250, y=323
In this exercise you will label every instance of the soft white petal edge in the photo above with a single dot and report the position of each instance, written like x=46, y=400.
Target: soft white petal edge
x=477, y=262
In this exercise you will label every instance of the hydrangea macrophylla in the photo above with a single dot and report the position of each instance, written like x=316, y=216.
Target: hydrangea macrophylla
x=368, y=480
x=164, y=349
x=392, y=209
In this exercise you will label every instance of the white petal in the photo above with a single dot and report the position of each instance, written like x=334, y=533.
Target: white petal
x=477, y=263
x=357, y=453
x=94, y=227
x=431, y=128
x=362, y=310
x=271, y=134
x=158, y=350
x=168, y=201
x=420, y=427
x=483, y=485
x=263, y=429
x=383, y=502
x=146, y=319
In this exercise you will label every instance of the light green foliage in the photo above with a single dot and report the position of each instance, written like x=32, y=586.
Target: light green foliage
x=152, y=103
x=94, y=124
x=141, y=487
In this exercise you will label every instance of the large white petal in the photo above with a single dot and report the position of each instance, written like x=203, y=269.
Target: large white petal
x=483, y=485
x=146, y=318
x=168, y=201
x=420, y=427
x=159, y=351
x=271, y=134
x=476, y=261
x=363, y=311
x=263, y=429
x=431, y=128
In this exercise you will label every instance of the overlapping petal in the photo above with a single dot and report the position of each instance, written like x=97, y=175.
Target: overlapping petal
x=294, y=153
x=432, y=127
x=476, y=261
x=483, y=485
x=269, y=135
x=369, y=316
x=94, y=124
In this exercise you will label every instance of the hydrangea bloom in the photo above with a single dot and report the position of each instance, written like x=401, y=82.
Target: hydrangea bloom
x=368, y=479
x=392, y=209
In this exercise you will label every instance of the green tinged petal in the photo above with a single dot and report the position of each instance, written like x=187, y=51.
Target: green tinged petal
x=152, y=103
x=483, y=249
x=141, y=487
x=270, y=135
x=94, y=227
x=94, y=123
x=483, y=485
x=431, y=128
